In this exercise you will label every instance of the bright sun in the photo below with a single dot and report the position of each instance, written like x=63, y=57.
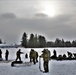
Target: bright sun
x=49, y=9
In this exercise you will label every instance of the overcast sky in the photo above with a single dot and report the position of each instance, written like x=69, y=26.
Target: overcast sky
x=50, y=18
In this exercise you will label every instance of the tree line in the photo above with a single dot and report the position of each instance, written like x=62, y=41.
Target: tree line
x=39, y=41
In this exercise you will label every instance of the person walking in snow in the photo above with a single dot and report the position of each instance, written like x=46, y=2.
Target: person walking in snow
x=18, y=53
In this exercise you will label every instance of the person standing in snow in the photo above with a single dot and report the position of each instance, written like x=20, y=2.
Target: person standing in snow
x=0, y=53
x=36, y=56
x=55, y=54
x=33, y=56
x=45, y=57
x=6, y=55
x=30, y=55
x=26, y=55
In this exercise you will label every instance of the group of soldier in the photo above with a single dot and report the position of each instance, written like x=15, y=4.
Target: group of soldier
x=6, y=55
x=69, y=56
x=33, y=55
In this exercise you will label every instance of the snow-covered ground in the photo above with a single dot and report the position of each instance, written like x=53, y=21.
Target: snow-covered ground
x=56, y=67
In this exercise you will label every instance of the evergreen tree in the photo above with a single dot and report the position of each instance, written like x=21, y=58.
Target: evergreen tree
x=31, y=41
x=74, y=43
x=24, y=40
x=57, y=42
x=67, y=44
x=62, y=43
x=50, y=44
x=35, y=41
x=41, y=41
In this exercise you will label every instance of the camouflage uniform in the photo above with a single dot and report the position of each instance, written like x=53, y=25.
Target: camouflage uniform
x=49, y=53
x=45, y=57
x=34, y=56
x=30, y=55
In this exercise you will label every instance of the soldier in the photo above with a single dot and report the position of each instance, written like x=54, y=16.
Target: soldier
x=18, y=55
x=74, y=55
x=60, y=57
x=45, y=57
x=69, y=54
x=49, y=53
x=64, y=56
x=0, y=53
x=33, y=56
x=6, y=55
x=55, y=55
x=36, y=56
x=26, y=55
x=30, y=55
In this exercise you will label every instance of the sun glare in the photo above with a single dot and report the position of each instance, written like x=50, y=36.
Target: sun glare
x=49, y=9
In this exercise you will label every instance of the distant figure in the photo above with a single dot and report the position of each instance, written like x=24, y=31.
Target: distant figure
x=60, y=57
x=55, y=54
x=26, y=55
x=69, y=54
x=18, y=53
x=6, y=55
x=74, y=55
x=64, y=56
x=0, y=53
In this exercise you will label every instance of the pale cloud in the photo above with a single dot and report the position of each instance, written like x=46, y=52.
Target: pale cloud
x=18, y=16
x=13, y=28
x=24, y=8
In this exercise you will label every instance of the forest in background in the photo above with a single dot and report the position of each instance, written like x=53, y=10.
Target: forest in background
x=39, y=41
